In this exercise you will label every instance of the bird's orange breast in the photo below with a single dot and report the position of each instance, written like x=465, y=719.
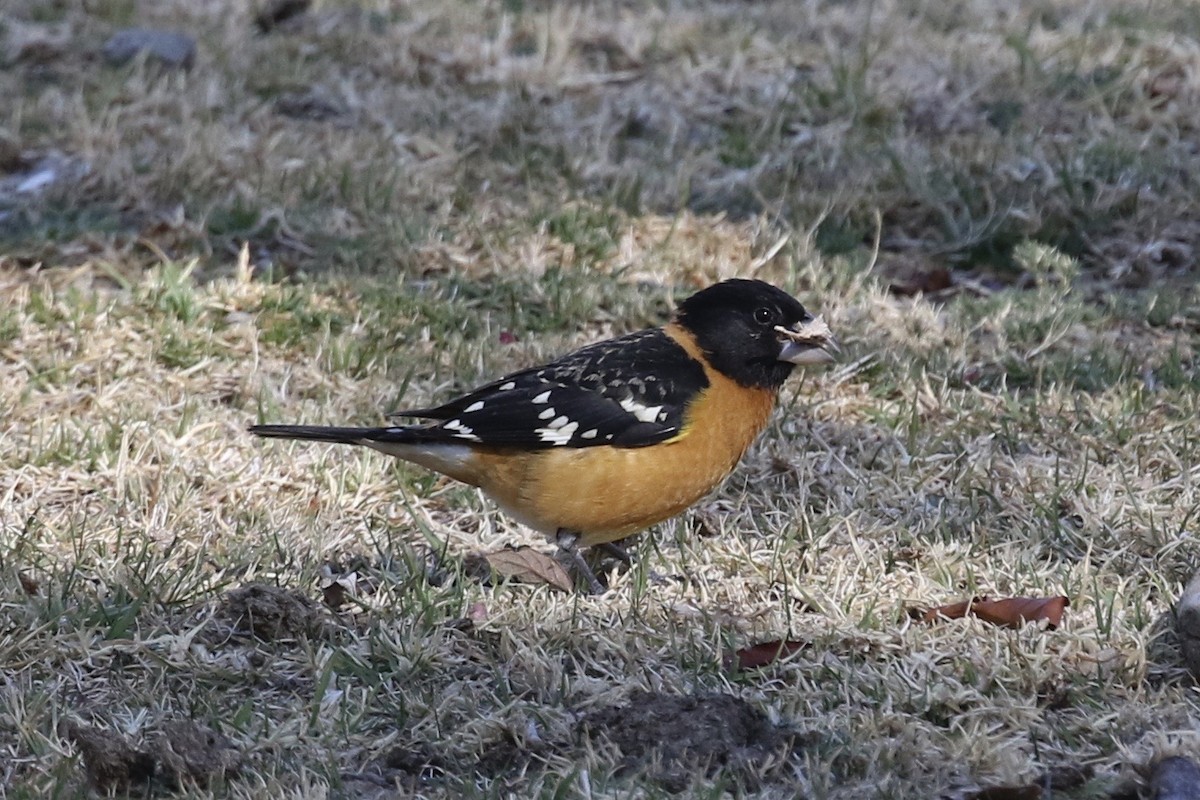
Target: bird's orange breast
x=608, y=493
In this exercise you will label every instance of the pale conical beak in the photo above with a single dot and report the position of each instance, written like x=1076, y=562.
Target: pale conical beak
x=807, y=344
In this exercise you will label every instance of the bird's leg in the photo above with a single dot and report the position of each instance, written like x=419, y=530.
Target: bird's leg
x=568, y=542
x=615, y=550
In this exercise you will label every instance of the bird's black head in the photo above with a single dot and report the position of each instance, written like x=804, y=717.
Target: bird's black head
x=753, y=332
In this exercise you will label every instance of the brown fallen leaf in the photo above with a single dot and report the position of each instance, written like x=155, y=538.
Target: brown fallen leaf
x=529, y=566
x=923, y=281
x=1010, y=612
x=29, y=585
x=335, y=594
x=760, y=655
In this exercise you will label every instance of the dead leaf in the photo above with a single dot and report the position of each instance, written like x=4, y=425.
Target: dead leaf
x=1167, y=85
x=28, y=584
x=337, y=591
x=1010, y=612
x=529, y=566
x=922, y=281
x=334, y=595
x=760, y=655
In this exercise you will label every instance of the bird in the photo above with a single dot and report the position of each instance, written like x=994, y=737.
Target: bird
x=619, y=435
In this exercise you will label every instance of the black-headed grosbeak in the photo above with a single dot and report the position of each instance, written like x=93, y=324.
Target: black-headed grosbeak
x=619, y=435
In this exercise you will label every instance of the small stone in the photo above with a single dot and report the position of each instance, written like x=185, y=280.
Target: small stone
x=170, y=48
x=1187, y=624
x=1175, y=778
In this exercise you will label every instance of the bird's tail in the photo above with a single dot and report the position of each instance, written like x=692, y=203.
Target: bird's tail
x=322, y=433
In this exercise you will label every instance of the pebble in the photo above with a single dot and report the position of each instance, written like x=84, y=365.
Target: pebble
x=170, y=48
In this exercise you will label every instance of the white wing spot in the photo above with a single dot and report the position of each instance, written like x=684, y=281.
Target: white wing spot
x=641, y=412
x=547, y=414
x=558, y=422
x=461, y=431
x=589, y=434
x=478, y=404
x=557, y=436
x=504, y=387
x=544, y=397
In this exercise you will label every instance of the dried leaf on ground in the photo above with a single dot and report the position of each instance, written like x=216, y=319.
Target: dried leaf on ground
x=29, y=584
x=527, y=565
x=1010, y=612
x=336, y=592
x=760, y=655
x=929, y=280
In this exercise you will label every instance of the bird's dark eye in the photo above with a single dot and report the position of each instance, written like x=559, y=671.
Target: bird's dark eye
x=764, y=315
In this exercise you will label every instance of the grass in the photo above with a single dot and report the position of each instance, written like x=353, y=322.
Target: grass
x=376, y=206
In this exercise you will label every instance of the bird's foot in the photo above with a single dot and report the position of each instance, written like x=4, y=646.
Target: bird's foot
x=614, y=550
x=568, y=542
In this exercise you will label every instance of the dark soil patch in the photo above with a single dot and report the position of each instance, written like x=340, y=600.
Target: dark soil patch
x=412, y=766
x=183, y=752
x=503, y=758
x=673, y=738
x=188, y=752
x=112, y=763
x=271, y=613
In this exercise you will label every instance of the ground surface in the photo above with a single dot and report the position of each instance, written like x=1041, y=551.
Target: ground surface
x=993, y=206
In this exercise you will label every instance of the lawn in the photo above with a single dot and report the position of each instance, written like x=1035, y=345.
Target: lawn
x=374, y=205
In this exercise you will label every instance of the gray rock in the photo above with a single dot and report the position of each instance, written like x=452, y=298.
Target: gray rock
x=1187, y=624
x=170, y=48
x=1175, y=778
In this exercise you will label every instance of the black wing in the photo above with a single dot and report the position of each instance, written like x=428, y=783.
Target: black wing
x=630, y=392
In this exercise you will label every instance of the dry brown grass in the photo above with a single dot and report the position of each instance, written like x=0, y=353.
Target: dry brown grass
x=430, y=176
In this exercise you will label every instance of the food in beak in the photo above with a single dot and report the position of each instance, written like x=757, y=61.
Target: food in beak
x=808, y=343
